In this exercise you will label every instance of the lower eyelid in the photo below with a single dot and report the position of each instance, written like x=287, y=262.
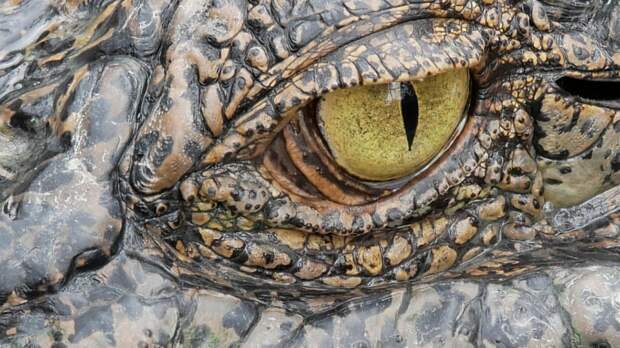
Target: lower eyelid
x=299, y=156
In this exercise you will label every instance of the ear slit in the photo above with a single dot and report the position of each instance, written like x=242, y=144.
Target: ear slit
x=599, y=90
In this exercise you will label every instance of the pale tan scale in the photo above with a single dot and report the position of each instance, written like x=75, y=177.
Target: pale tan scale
x=464, y=230
x=493, y=210
x=371, y=259
x=443, y=257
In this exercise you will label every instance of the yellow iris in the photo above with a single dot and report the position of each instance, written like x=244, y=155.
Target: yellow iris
x=365, y=129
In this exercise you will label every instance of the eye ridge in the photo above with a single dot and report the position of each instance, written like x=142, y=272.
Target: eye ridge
x=409, y=110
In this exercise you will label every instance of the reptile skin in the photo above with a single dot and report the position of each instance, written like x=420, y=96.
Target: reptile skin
x=163, y=182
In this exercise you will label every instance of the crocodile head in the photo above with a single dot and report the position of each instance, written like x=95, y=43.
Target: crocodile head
x=275, y=153
x=314, y=151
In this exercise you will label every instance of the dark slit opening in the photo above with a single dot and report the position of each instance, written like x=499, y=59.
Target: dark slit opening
x=591, y=89
x=409, y=110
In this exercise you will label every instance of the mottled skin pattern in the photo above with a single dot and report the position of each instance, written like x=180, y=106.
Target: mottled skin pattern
x=163, y=182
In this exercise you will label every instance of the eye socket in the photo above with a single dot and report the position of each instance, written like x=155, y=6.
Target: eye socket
x=385, y=132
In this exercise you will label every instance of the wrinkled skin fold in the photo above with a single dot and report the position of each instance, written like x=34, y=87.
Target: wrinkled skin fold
x=164, y=182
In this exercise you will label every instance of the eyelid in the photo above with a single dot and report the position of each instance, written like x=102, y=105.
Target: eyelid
x=319, y=33
x=397, y=54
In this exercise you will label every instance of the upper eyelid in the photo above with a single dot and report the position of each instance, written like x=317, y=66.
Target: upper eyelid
x=434, y=53
x=328, y=36
x=377, y=67
x=340, y=31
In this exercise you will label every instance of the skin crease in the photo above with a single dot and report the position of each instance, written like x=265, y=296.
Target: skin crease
x=163, y=169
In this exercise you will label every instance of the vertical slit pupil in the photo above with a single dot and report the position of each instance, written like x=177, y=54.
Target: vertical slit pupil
x=409, y=110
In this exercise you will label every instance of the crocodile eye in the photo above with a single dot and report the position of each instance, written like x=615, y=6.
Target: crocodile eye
x=384, y=132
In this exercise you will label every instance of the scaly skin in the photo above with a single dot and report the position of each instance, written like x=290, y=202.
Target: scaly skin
x=223, y=102
x=217, y=195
